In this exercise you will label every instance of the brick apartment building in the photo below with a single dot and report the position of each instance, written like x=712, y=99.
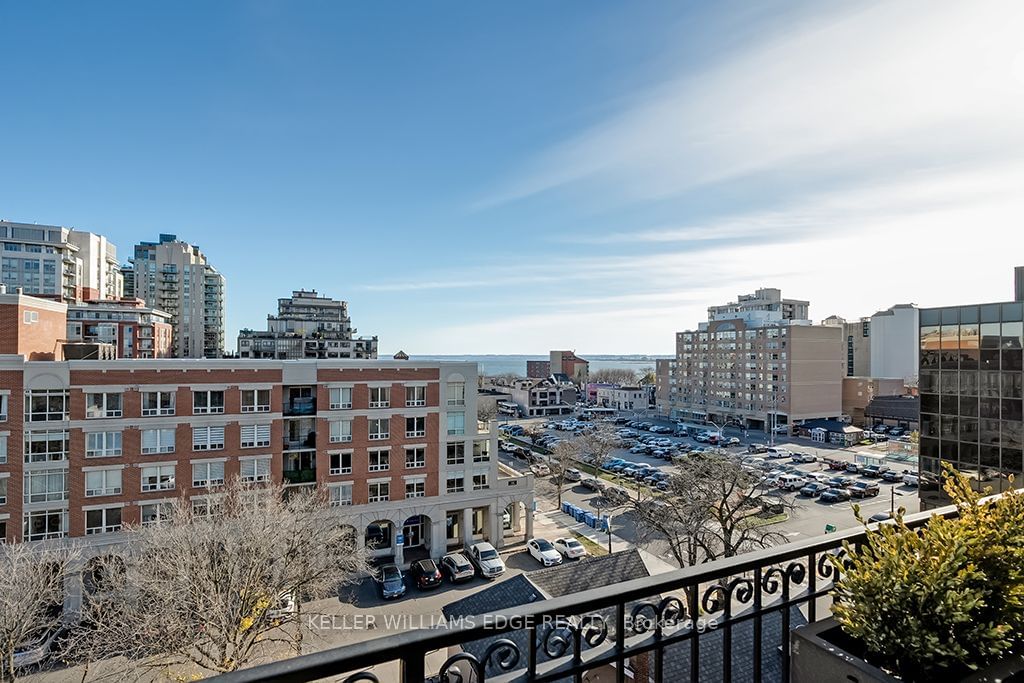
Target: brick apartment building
x=756, y=360
x=87, y=446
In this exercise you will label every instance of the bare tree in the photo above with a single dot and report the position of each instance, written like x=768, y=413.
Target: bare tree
x=486, y=411
x=613, y=376
x=31, y=595
x=647, y=376
x=563, y=458
x=596, y=446
x=709, y=510
x=219, y=591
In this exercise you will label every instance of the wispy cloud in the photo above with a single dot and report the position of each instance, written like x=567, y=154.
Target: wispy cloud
x=894, y=86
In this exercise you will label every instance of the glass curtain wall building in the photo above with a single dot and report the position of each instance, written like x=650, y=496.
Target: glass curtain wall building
x=971, y=380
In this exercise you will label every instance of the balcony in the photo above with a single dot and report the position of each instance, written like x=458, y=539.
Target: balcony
x=643, y=625
x=307, y=476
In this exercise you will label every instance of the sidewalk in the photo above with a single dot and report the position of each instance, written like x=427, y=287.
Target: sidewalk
x=556, y=524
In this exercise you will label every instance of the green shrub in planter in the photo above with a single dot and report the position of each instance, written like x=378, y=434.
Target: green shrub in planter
x=946, y=598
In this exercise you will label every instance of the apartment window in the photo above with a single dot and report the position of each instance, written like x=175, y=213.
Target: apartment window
x=481, y=451
x=341, y=398
x=3, y=449
x=341, y=463
x=207, y=474
x=102, y=521
x=45, y=486
x=379, y=461
x=415, y=396
x=479, y=482
x=415, y=426
x=103, y=405
x=341, y=495
x=158, y=478
x=157, y=403
x=46, y=405
x=50, y=446
x=158, y=440
x=102, y=444
x=456, y=424
x=3, y=407
x=207, y=438
x=416, y=489
x=41, y=525
x=255, y=400
x=206, y=402
x=456, y=453
x=3, y=490
x=102, y=483
x=255, y=436
x=206, y=506
x=455, y=483
x=154, y=513
x=379, y=428
x=255, y=469
x=380, y=397
x=379, y=492
x=456, y=393
x=341, y=431
x=415, y=457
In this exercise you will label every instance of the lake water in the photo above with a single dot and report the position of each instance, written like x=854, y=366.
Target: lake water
x=500, y=365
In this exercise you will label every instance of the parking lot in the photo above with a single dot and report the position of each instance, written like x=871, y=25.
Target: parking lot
x=809, y=517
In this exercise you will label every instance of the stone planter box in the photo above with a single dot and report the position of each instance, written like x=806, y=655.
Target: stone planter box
x=822, y=652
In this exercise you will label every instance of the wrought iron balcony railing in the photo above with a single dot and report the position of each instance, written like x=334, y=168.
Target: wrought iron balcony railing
x=721, y=621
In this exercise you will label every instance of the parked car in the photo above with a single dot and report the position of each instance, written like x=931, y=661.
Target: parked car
x=425, y=574
x=814, y=489
x=540, y=469
x=542, y=551
x=791, y=482
x=863, y=489
x=733, y=441
x=772, y=505
x=804, y=457
x=854, y=467
x=880, y=517
x=840, y=482
x=897, y=431
x=757, y=448
x=570, y=548
x=662, y=485
x=912, y=479
x=893, y=476
x=833, y=495
x=390, y=582
x=781, y=429
x=41, y=645
x=458, y=567
x=874, y=471
x=573, y=474
x=486, y=559
x=777, y=453
x=834, y=464
x=880, y=429
x=592, y=484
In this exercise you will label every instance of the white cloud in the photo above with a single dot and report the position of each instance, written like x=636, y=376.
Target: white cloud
x=898, y=84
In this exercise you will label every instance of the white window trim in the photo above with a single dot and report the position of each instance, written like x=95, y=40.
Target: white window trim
x=340, y=470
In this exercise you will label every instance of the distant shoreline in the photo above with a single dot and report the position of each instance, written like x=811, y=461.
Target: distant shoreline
x=498, y=364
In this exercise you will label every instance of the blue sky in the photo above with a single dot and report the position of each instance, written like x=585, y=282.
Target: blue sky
x=514, y=177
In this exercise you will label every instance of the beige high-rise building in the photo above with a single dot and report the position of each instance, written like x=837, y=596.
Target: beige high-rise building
x=757, y=364
x=857, y=337
x=59, y=263
x=175, y=277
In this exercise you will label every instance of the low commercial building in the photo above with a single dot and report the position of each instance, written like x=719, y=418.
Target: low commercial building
x=89, y=446
x=900, y=410
x=543, y=397
x=829, y=431
x=623, y=398
x=858, y=392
